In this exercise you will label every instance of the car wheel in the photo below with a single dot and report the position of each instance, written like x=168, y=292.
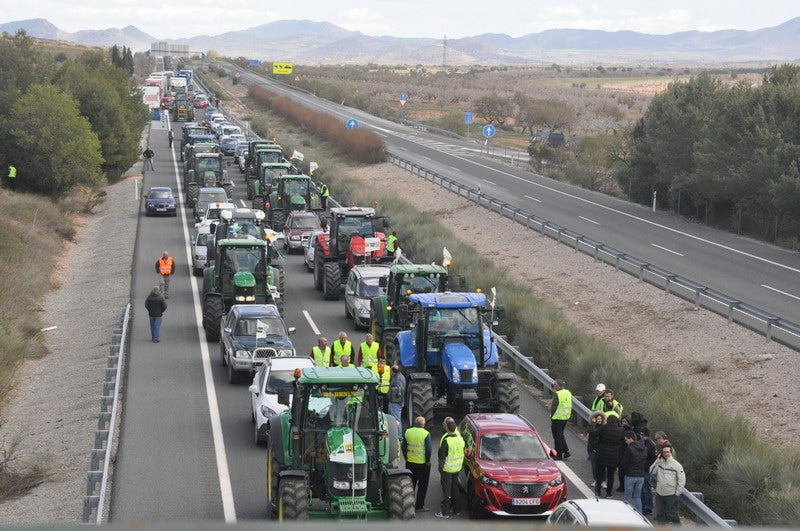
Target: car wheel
x=222, y=354
x=474, y=506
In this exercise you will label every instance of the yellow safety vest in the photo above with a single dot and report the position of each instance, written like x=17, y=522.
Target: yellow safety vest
x=446, y=434
x=455, y=454
x=415, y=441
x=383, y=379
x=597, y=404
x=12, y=172
x=564, y=409
x=338, y=350
x=369, y=354
x=390, y=243
x=322, y=359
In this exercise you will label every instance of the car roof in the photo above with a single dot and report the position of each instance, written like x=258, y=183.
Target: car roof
x=372, y=271
x=256, y=310
x=500, y=422
x=160, y=188
x=301, y=214
x=290, y=362
x=609, y=513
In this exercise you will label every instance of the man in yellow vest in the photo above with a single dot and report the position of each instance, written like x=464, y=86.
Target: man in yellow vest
x=560, y=412
x=342, y=347
x=384, y=378
x=369, y=352
x=417, y=450
x=610, y=404
x=323, y=195
x=12, y=177
x=165, y=266
x=391, y=243
x=321, y=353
x=451, y=459
x=597, y=403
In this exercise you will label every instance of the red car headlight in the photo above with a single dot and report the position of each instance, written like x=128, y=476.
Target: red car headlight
x=556, y=482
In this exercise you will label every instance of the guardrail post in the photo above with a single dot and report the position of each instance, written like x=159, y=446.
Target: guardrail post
x=668, y=279
x=770, y=322
x=577, y=242
x=559, y=234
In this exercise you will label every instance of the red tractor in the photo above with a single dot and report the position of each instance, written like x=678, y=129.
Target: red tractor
x=353, y=240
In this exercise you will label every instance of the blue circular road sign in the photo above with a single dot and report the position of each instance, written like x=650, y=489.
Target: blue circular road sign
x=488, y=131
x=352, y=123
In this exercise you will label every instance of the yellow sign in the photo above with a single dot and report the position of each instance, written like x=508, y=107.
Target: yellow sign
x=281, y=68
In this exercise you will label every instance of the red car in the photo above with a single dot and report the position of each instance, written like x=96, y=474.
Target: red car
x=508, y=469
x=167, y=102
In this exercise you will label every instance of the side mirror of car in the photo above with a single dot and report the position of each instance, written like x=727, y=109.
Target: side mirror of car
x=283, y=395
x=292, y=330
x=253, y=389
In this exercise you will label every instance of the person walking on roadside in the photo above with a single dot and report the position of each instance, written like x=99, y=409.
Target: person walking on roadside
x=169, y=138
x=148, y=159
x=417, y=451
x=165, y=266
x=156, y=306
x=324, y=192
x=342, y=347
x=369, y=352
x=321, y=353
x=597, y=403
x=633, y=466
x=596, y=421
x=12, y=177
x=392, y=243
x=397, y=395
x=669, y=480
x=451, y=459
x=652, y=452
x=610, y=440
x=560, y=412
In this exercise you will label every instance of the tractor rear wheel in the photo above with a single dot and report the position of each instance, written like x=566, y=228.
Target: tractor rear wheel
x=293, y=494
x=507, y=396
x=400, y=497
x=251, y=188
x=332, y=281
x=420, y=401
x=212, y=313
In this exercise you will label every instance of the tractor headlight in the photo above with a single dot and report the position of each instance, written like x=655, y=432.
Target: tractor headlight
x=359, y=485
x=341, y=485
x=474, y=375
x=454, y=375
x=267, y=412
x=245, y=298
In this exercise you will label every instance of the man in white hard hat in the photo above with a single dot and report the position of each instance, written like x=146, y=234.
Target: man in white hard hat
x=597, y=403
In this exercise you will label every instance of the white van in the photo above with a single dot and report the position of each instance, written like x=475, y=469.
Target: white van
x=199, y=250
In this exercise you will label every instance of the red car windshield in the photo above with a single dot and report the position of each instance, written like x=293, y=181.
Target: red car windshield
x=511, y=447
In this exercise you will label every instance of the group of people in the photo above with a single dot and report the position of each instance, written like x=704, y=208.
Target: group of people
x=619, y=445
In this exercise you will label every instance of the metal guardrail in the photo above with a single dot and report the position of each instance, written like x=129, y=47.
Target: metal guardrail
x=773, y=327
x=97, y=478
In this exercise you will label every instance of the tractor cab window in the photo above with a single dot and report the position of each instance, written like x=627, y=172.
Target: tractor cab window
x=349, y=226
x=454, y=323
x=243, y=260
x=419, y=284
x=270, y=157
x=207, y=164
x=296, y=187
x=243, y=230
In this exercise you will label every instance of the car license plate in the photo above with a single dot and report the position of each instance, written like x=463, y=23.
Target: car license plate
x=161, y=209
x=526, y=501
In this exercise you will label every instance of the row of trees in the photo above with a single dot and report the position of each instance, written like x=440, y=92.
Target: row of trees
x=726, y=156
x=67, y=124
x=527, y=112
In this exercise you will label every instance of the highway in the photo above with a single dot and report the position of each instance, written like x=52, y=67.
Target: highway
x=754, y=272
x=186, y=450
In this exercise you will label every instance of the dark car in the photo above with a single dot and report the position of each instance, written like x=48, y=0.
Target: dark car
x=251, y=333
x=299, y=227
x=160, y=201
x=508, y=469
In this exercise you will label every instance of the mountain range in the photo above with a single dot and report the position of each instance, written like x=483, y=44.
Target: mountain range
x=304, y=41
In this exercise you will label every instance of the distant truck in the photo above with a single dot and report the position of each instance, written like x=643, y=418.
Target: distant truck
x=152, y=96
x=188, y=75
x=178, y=85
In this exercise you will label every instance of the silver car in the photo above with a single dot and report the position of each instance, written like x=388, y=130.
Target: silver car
x=308, y=250
x=199, y=249
x=363, y=283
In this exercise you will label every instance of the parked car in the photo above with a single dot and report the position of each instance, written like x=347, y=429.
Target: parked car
x=508, y=469
x=200, y=101
x=271, y=377
x=597, y=513
x=363, y=283
x=241, y=148
x=308, y=250
x=199, y=243
x=228, y=144
x=213, y=212
x=167, y=102
x=243, y=159
x=250, y=333
x=160, y=201
x=300, y=225
x=206, y=195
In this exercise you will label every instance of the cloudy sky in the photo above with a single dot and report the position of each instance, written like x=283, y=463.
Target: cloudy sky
x=170, y=19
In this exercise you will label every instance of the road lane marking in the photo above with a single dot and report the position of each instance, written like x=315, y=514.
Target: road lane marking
x=573, y=477
x=225, y=486
x=589, y=220
x=533, y=199
x=488, y=181
x=665, y=249
x=311, y=322
x=781, y=292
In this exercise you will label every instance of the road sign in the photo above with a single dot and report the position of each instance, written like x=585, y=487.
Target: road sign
x=282, y=68
x=352, y=123
x=253, y=62
x=403, y=96
x=469, y=118
x=403, y=102
x=488, y=131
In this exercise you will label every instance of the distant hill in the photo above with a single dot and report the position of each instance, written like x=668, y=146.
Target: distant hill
x=304, y=41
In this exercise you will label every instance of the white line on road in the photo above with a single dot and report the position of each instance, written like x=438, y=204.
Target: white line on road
x=589, y=220
x=488, y=181
x=225, y=487
x=533, y=199
x=781, y=292
x=665, y=249
x=573, y=477
x=311, y=322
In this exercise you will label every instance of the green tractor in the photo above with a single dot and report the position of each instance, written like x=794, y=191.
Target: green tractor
x=241, y=274
x=260, y=152
x=289, y=193
x=206, y=169
x=334, y=453
x=260, y=185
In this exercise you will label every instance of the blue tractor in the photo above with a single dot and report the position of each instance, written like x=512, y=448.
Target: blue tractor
x=449, y=354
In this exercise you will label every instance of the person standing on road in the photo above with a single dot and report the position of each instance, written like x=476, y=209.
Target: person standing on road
x=597, y=403
x=156, y=305
x=633, y=466
x=369, y=352
x=560, y=412
x=321, y=353
x=169, y=138
x=451, y=459
x=342, y=347
x=397, y=395
x=596, y=421
x=12, y=177
x=610, y=441
x=165, y=266
x=417, y=451
x=652, y=452
x=610, y=405
x=392, y=243
x=148, y=159
x=323, y=195
x=668, y=480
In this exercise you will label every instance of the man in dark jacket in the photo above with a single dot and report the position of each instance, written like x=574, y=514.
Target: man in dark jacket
x=652, y=453
x=633, y=465
x=609, y=442
x=156, y=305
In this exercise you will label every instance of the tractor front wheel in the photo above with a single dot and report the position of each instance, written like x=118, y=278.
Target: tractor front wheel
x=507, y=396
x=420, y=401
x=293, y=495
x=400, y=497
x=212, y=313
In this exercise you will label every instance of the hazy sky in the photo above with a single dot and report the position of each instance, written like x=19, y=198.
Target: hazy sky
x=169, y=19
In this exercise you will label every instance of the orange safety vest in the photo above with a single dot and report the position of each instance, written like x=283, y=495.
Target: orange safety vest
x=165, y=267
